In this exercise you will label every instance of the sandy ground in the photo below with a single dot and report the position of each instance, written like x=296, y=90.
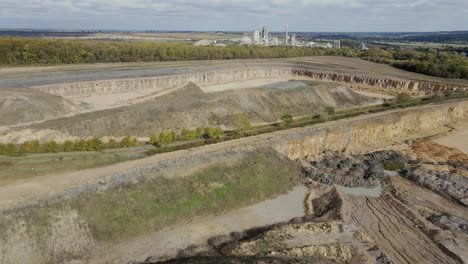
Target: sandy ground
x=374, y=95
x=167, y=242
x=458, y=138
x=239, y=85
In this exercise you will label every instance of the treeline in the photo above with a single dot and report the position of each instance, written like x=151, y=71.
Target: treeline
x=425, y=61
x=17, y=51
x=29, y=51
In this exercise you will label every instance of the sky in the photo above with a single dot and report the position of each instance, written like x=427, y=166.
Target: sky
x=237, y=15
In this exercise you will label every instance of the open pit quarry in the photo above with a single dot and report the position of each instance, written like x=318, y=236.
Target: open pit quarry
x=388, y=187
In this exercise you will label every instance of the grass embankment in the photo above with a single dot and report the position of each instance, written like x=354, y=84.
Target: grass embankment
x=31, y=165
x=134, y=209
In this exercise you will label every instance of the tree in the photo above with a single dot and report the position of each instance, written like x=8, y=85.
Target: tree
x=287, y=119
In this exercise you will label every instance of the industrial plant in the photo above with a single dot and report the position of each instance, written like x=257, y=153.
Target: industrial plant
x=263, y=37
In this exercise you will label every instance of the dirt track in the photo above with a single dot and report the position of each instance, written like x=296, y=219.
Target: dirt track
x=394, y=228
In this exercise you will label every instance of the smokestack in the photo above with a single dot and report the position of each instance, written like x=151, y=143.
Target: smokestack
x=287, y=34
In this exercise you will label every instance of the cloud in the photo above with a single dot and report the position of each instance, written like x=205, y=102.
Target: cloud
x=303, y=15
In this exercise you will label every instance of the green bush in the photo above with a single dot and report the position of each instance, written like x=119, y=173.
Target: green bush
x=94, y=144
x=239, y=121
x=213, y=132
x=192, y=134
x=81, y=145
x=394, y=166
x=154, y=139
x=68, y=146
x=287, y=119
x=167, y=137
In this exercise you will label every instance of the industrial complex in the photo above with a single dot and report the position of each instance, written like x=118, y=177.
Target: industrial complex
x=261, y=36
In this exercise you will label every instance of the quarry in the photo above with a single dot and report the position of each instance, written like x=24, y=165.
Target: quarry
x=384, y=186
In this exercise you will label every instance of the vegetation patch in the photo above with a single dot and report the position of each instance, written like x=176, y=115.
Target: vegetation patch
x=394, y=166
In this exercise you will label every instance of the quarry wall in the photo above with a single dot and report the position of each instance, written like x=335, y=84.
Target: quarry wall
x=67, y=233
x=150, y=85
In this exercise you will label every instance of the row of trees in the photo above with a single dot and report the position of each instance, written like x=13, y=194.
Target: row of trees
x=96, y=144
x=93, y=144
x=186, y=134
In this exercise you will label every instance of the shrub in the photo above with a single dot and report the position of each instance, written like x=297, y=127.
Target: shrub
x=31, y=146
x=167, y=137
x=403, y=98
x=448, y=93
x=126, y=142
x=81, y=145
x=68, y=146
x=192, y=134
x=134, y=142
x=154, y=139
x=10, y=149
x=239, y=121
x=94, y=144
x=287, y=119
x=394, y=166
x=330, y=110
x=213, y=132
x=51, y=147
x=112, y=144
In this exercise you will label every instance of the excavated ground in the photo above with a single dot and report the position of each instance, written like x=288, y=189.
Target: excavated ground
x=416, y=219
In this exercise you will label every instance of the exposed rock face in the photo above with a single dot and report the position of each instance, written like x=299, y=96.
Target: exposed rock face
x=150, y=85
x=371, y=132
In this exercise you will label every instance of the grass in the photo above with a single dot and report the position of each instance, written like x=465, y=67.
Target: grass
x=134, y=209
x=31, y=165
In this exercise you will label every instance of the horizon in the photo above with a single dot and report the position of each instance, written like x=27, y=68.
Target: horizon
x=213, y=31
x=237, y=15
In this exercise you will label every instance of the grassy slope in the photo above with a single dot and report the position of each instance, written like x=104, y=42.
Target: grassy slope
x=132, y=210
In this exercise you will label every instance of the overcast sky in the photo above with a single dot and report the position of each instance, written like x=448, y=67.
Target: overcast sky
x=237, y=15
